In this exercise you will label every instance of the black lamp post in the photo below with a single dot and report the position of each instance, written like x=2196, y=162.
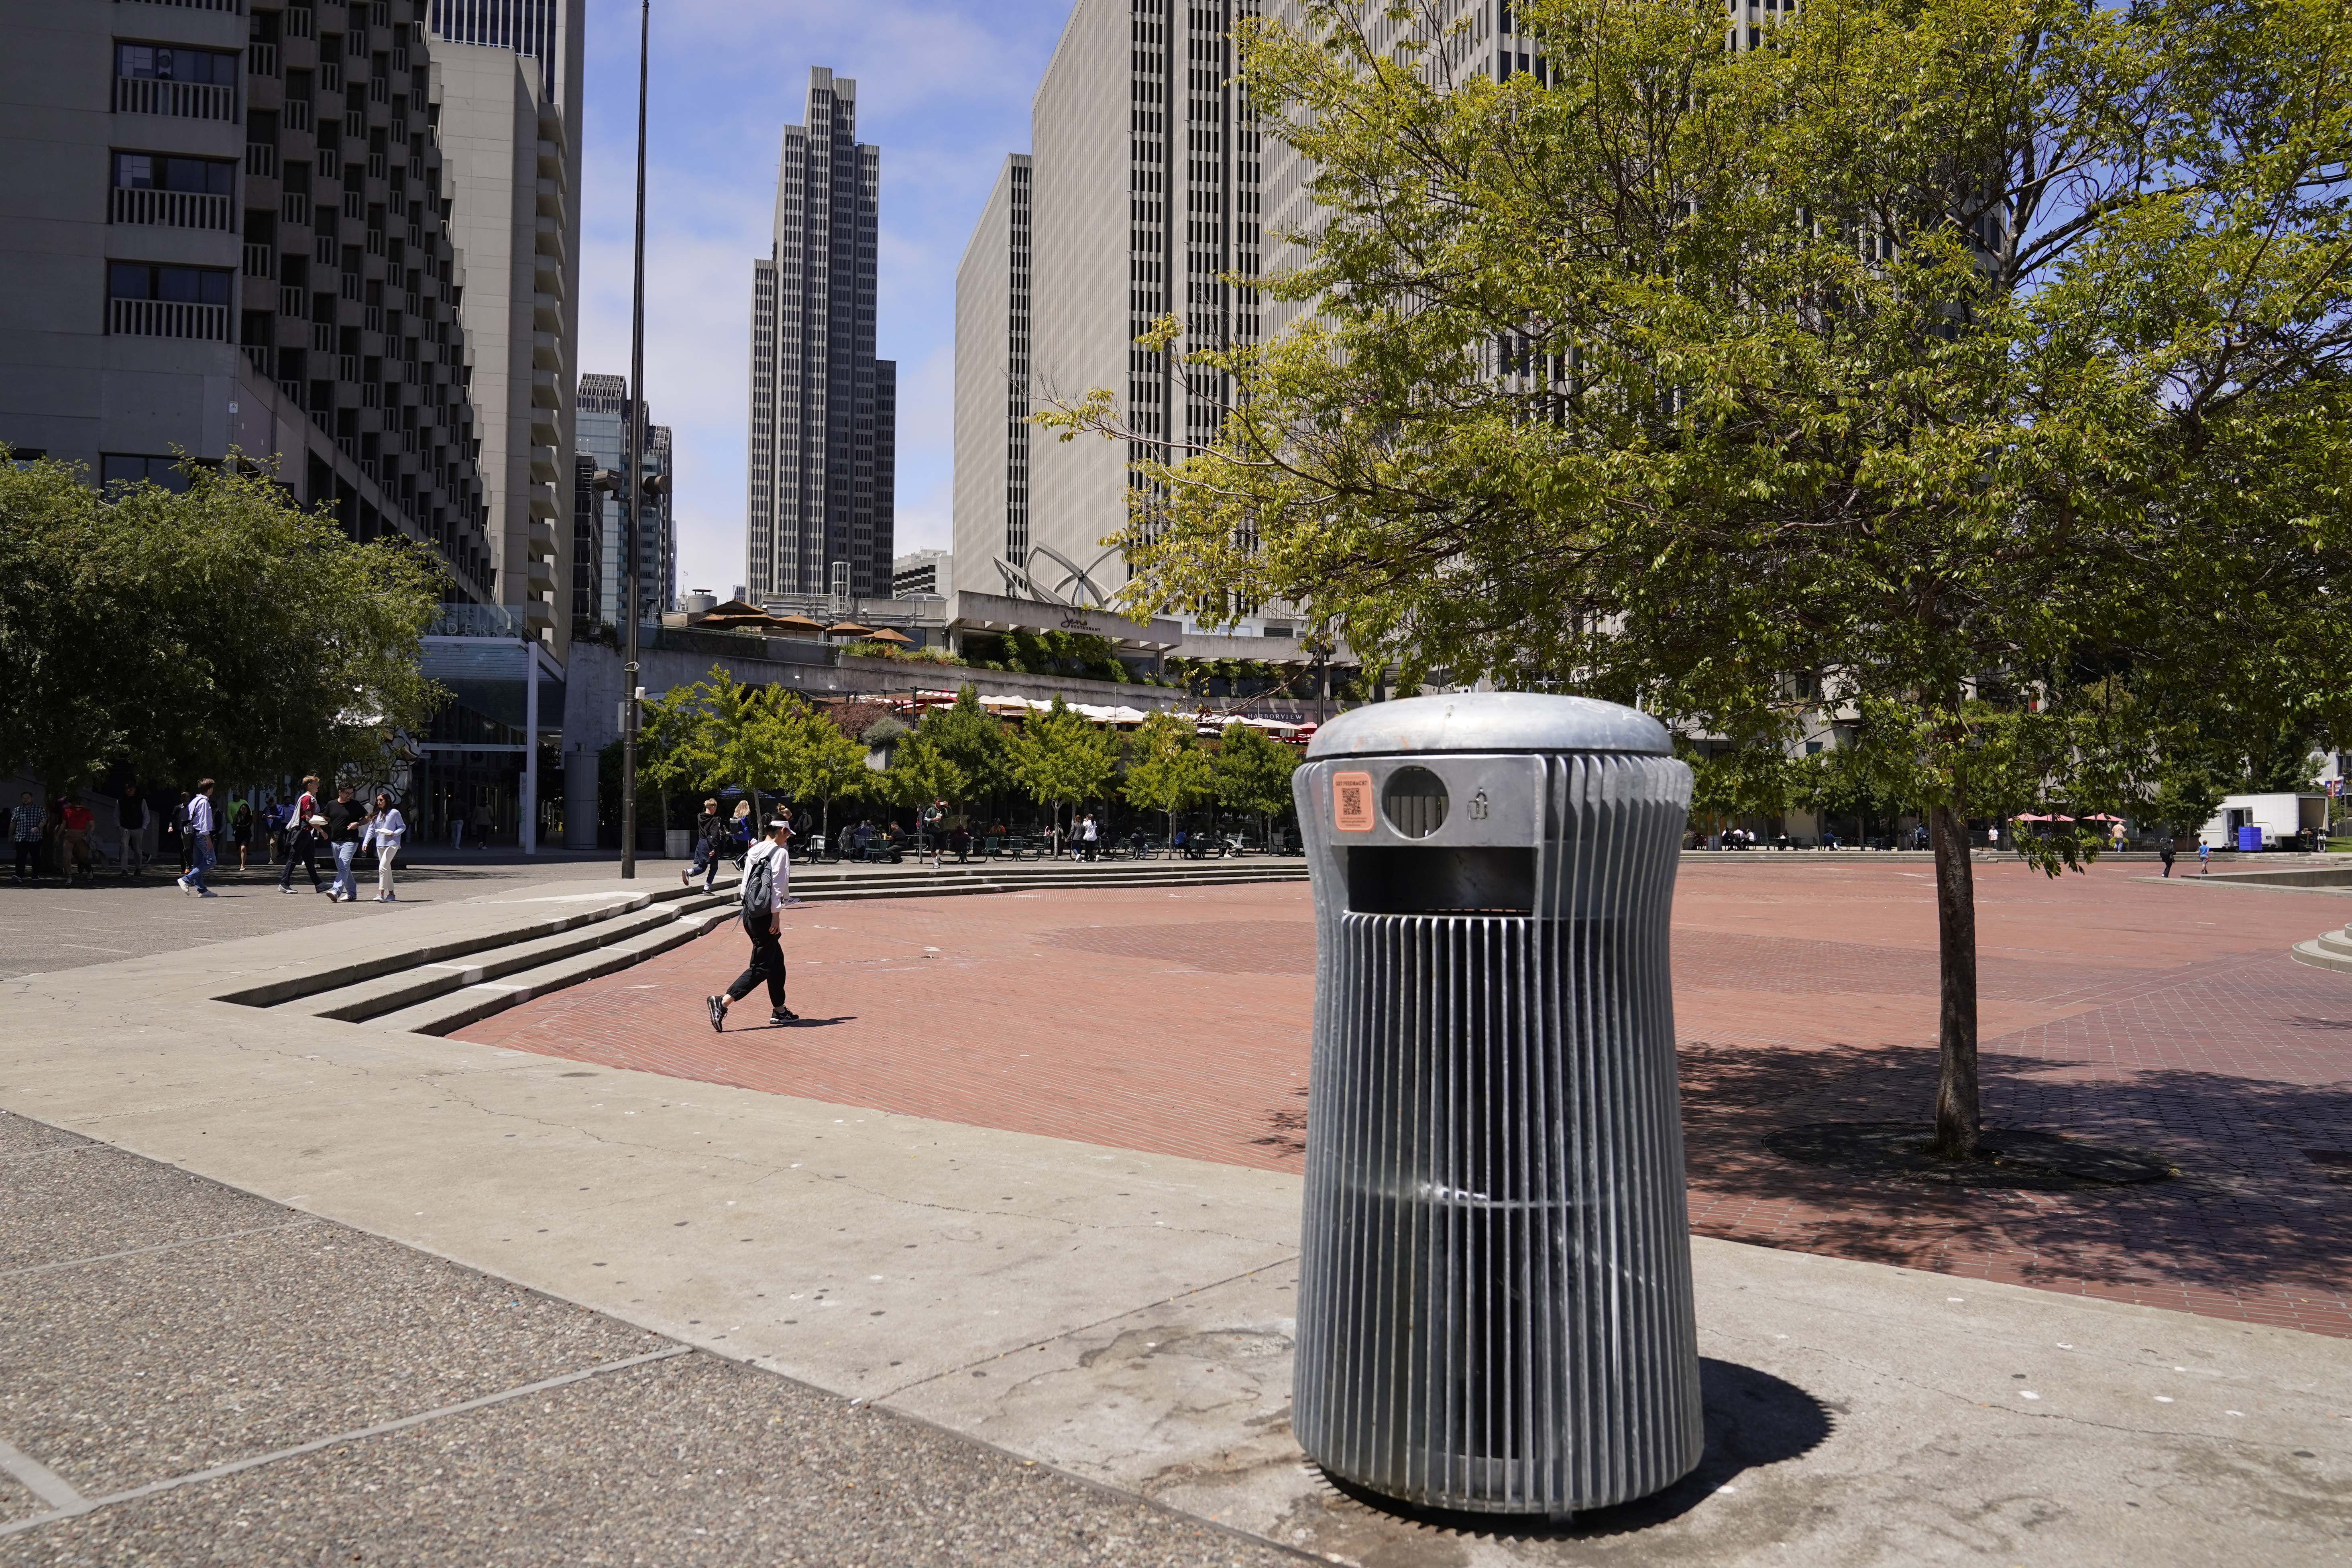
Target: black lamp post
x=635, y=458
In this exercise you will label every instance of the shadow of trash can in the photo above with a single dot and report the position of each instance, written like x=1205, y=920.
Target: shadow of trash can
x=1495, y=1303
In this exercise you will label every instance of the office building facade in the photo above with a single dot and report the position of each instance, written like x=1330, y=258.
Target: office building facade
x=228, y=228
x=506, y=83
x=993, y=433
x=824, y=436
x=604, y=411
x=1144, y=186
x=923, y=575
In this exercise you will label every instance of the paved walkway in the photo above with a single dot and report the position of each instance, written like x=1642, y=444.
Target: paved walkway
x=1118, y=1315
x=2158, y=1015
x=209, y=1377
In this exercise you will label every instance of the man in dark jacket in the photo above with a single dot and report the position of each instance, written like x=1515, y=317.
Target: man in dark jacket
x=712, y=840
x=130, y=831
x=2164, y=855
x=343, y=819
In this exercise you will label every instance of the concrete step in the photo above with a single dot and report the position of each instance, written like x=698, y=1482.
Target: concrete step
x=2336, y=940
x=456, y=1009
x=390, y=993
x=2339, y=957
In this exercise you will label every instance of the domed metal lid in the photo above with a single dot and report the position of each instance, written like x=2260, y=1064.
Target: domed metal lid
x=1490, y=722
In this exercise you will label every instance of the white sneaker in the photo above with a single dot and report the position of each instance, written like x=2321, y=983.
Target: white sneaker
x=182, y=883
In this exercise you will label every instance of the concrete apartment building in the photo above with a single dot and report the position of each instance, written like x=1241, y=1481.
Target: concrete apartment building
x=824, y=436
x=1144, y=186
x=605, y=410
x=507, y=89
x=228, y=227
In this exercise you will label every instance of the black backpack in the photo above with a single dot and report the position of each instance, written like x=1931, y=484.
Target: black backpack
x=759, y=884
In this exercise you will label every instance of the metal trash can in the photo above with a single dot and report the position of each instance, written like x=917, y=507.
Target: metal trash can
x=1494, y=1302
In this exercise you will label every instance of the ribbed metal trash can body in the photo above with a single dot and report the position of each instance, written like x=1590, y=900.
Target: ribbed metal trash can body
x=1494, y=1308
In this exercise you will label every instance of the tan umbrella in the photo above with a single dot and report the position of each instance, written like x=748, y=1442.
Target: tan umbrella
x=799, y=623
x=848, y=629
x=888, y=634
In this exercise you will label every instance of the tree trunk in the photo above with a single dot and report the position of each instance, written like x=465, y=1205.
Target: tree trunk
x=1958, y=1115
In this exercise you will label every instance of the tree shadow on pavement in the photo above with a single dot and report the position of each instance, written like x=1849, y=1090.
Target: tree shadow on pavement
x=2252, y=1207
x=1753, y=1419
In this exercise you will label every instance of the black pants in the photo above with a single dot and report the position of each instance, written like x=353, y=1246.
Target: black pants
x=767, y=963
x=304, y=845
x=28, y=855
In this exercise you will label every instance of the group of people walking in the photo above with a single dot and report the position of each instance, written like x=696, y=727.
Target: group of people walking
x=202, y=830
x=342, y=827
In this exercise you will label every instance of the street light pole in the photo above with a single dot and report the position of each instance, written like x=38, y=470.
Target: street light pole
x=637, y=412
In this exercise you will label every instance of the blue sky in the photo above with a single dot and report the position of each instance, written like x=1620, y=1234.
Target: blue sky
x=943, y=87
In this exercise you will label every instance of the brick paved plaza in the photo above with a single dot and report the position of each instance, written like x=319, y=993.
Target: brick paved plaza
x=2162, y=1017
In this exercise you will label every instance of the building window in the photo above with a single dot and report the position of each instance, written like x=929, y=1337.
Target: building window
x=155, y=301
x=129, y=468
x=185, y=193
x=197, y=84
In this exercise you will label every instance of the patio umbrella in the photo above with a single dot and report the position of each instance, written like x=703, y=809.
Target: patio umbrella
x=889, y=634
x=848, y=629
x=799, y=623
x=2101, y=816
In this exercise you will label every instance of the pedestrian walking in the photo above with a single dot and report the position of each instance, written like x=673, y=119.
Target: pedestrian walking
x=2164, y=855
x=303, y=823
x=766, y=879
x=935, y=827
x=75, y=821
x=458, y=828
x=198, y=841
x=2204, y=859
x=385, y=830
x=240, y=828
x=1089, y=840
x=713, y=840
x=343, y=820
x=24, y=826
x=177, y=828
x=130, y=831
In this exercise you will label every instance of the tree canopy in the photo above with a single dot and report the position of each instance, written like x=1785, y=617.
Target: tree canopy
x=1166, y=769
x=223, y=631
x=1972, y=370
x=1059, y=757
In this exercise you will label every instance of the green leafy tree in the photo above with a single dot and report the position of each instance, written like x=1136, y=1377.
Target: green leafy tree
x=920, y=772
x=820, y=763
x=1251, y=772
x=221, y=631
x=969, y=736
x=1060, y=758
x=1939, y=343
x=1166, y=769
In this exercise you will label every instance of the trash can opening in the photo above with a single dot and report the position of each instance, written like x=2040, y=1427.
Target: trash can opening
x=1414, y=803
x=1409, y=879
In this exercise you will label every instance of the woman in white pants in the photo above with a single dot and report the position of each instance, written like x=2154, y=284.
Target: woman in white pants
x=384, y=831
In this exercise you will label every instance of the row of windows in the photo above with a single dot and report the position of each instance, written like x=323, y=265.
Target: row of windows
x=151, y=62
x=180, y=285
x=166, y=172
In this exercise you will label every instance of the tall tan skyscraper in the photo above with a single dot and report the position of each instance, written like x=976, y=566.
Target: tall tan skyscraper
x=1144, y=180
x=824, y=411
x=507, y=86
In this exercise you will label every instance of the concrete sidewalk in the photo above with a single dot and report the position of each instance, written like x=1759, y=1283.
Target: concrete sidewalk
x=1126, y=1319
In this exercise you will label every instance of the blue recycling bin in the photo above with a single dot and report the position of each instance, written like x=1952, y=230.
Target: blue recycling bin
x=2249, y=836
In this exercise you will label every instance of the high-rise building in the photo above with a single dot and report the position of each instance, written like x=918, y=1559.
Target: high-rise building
x=992, y=389
x=508, y=80
x=1464, y=41
x=1141, y=196
x=824, y=409
x=227, y=226
x=603, y=432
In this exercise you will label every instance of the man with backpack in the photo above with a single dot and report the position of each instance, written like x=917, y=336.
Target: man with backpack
x=767, y=876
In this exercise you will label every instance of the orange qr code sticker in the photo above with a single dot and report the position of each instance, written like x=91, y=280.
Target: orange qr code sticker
x=1351, y=802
